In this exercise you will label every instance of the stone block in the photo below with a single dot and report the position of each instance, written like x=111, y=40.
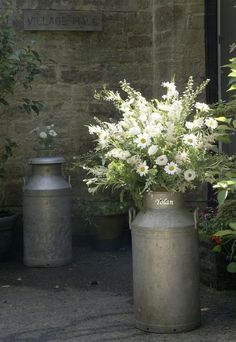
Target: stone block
x=138, y=41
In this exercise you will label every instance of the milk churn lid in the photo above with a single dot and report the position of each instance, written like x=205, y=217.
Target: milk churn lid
x=47, y=160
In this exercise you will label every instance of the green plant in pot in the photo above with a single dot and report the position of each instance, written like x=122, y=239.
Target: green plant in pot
x=18, y=68
x=107, y=222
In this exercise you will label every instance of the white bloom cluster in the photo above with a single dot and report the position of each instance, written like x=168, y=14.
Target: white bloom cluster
x=161, y=142
x=45, y=135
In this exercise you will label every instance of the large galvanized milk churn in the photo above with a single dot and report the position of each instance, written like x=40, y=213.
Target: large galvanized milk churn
x=165, y=265
x=47, y=214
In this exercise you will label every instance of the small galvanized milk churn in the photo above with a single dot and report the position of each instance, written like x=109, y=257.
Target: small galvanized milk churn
x=47, y=214
x=165, y=265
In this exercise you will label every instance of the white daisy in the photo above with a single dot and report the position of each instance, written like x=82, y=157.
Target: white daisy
x=152, y=150
x=171, y=168
x=211, y=123
x=142, y=169
x=43, y=135
x=190, y=139
x=189, y=175
x=203, y=107
x=162, y=160
x=143, y=140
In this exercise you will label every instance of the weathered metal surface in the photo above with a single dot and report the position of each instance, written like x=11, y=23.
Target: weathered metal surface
x=47, y=215
x=165, y=266
x=57, y=20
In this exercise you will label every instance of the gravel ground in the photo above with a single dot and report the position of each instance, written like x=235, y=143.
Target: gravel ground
x=91, y=300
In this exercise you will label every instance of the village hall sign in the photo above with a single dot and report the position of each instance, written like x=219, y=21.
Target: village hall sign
x=56, y=20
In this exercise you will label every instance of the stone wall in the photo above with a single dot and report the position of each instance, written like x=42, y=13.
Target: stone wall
x=178, y=41
x=142, y=41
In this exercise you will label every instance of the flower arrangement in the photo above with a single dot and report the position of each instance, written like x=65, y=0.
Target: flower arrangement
x=163, y=144
x=45, y=135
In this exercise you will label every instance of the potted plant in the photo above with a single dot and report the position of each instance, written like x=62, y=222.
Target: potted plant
x=107, y=222
x=156, y=151
x=18, y=67
x=217, y=249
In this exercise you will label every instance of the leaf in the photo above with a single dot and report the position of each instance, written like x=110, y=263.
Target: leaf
x=225, y=232
x=224, y=127
x=222, y=119
x=224, y=138
x=222, y=196
x=233, y=225
x=234, y=123
x=217, y=249
x=233, y=87
x=231, y=267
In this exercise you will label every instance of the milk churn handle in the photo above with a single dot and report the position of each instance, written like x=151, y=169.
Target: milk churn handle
x=195, y=217
x=132, y=214
x=25, y=180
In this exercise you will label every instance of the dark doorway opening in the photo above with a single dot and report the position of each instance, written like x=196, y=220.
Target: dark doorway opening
x=211, y=50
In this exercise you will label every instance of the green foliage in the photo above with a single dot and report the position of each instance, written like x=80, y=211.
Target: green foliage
x=223, y=226
x=232, y=74
x=18, y=68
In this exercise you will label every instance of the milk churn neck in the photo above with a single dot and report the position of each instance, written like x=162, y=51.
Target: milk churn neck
x=46, y=160
x=163, y=200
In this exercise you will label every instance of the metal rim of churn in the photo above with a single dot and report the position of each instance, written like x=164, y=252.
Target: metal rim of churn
x=47, y=160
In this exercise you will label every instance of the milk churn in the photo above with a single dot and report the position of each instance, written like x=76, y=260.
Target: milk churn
x=47, y=214
x=165, y=265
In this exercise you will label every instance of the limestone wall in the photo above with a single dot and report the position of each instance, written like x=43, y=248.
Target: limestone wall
x=142, y=41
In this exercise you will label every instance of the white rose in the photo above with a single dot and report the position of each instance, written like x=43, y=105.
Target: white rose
x=43, y=135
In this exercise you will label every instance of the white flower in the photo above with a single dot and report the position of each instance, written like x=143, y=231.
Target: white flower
x=152, y=150
x=155, y=116
x=163, y=106
x=194, y=124
x=104, y=139
x=94, y=129
x=43, y=135
x=189, y=125
x=181, y=157
x=211, y=123
x=189, y=175
x=171, y=168
x=171, y=90
x=134, y=160
x=175, y=110
x=134, y=130
x=143, y=140
x=154, y=130
x=143, y=117
x=118, y=153
x=170, y=133
x=203, y=107
x=52, y=133
x=142, y=169
x=190, y=139
x=162, y=160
